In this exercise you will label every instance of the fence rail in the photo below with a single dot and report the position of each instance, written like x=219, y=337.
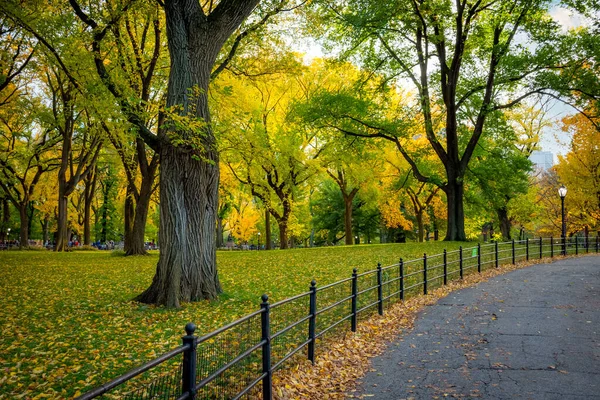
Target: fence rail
x=239, y=359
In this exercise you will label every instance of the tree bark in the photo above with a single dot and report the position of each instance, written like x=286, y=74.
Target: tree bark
x=128, y=216
x=420, y=227
x=268, y=239
x=456, y=215
x=5, y=217
x=283, y=236
x=189, y=173
x=186, y=269
x=348, y=218
x=90, y=188
x=61, y=221
x=137, y=237
x=45, y=223
x=220, y=241
x=505, y=224
x=24, y=231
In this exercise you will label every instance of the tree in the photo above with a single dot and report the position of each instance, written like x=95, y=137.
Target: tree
x=26, y=155
x=106, y=227
x=264, y=149
x=579, y=171
x=189, y=173
x=16, y=51
x=462, y=60
x=501, y=167
x=80, y=145
x=138, y=43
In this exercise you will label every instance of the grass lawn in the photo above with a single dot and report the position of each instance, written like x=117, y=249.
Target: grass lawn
x=67, y=322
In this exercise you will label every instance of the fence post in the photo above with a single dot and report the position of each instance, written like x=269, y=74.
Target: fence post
x=513, y=252
x=527, y=249
x=587, y=241
x=189, y=362
x=597, y=242
x=479, y=257
x=541, y=248
x=312, y=321
x=496, y=251
x=551, y=247
x=445, y=267
x=401, y=265
x=265, y=325
x=576, y=245
x=564, y=246
x=379, y=290
x=460, y=261
x=424, y=273
x=354, y=299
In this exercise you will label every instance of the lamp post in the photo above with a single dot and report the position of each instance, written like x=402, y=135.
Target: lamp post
x=562, y=192
x=258, y=247
x=7, y=234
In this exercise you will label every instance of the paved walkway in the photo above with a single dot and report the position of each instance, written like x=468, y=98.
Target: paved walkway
x=530, y=334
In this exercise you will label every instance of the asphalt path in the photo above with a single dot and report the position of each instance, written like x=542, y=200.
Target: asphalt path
x=533, y=333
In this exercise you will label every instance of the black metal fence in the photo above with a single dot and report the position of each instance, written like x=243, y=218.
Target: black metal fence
x=238, y=360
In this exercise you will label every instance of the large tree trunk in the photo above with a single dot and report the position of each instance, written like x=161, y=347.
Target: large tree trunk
x=186, y=268
x=456, y=215
x=348, y=218
x=268, y=239
x=138, y=234
x=419, y=216
x=61, y=222
x=189, y=173
x=128, y=216
x=88, y=196
x=283, y=234
x=24, y=230
x=45, y=224
x=87, y=229
x=5, y=218
x=504, y=223
x=220, y=241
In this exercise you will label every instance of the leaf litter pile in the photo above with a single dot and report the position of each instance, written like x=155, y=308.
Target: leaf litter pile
x=341, y=362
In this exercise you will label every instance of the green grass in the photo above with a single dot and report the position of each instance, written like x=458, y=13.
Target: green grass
x=67, y=322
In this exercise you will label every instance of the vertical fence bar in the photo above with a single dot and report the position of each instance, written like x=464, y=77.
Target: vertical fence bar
x=587, y=240
x=265, y=325
x=479, y=257
x=496, y=251
x=576, y=245
x=527, y=249
x=551, y=247
x=445, y=267
x=460, y=261
x=401, y=266
x=541, y=248
x=597, y=242
x=312, y=321
x=379, y=290
x=513, y=252
x=354, y=299
x=188, y=384
x=424, y=273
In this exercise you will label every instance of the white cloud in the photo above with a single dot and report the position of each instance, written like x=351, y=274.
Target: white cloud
x=568, y=19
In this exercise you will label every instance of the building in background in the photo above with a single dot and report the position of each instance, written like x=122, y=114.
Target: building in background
x=542, y=160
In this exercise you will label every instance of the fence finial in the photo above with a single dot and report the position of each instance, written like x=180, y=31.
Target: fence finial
x=264, y=298
x=313, y=283
x=190, y=328
x=354, y=271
